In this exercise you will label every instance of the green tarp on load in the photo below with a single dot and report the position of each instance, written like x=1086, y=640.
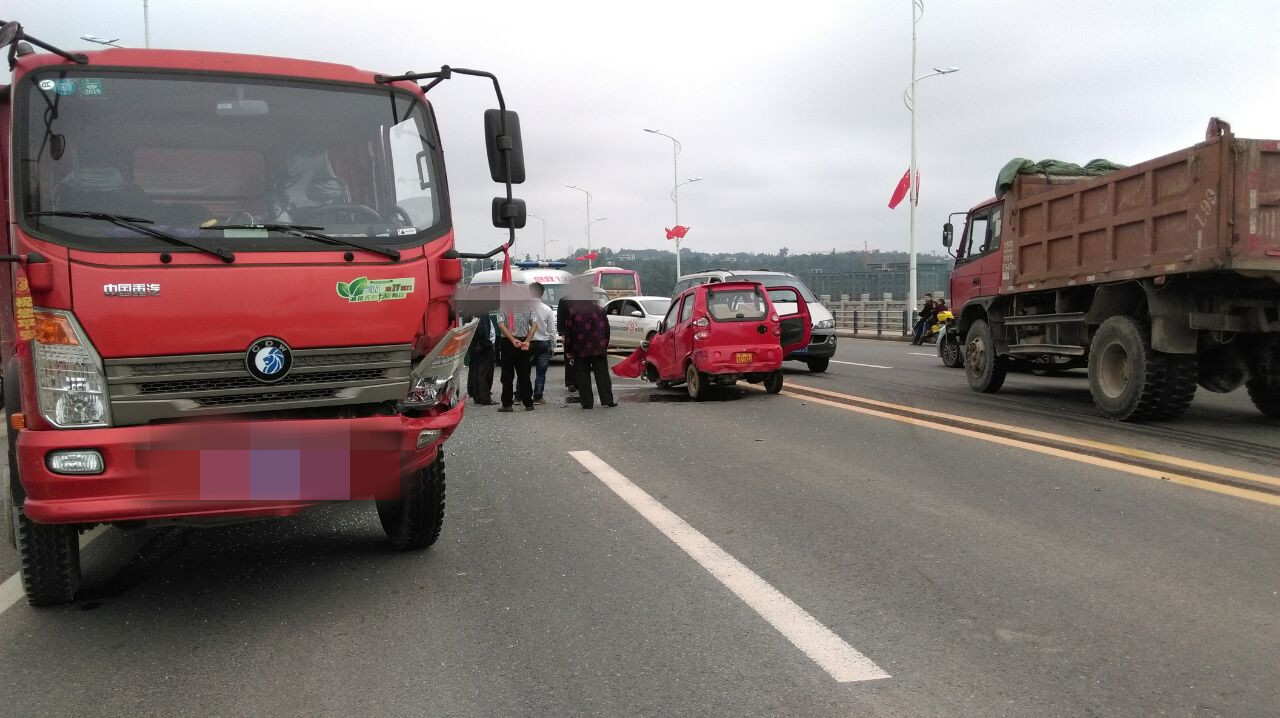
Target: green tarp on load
x=1019, y=166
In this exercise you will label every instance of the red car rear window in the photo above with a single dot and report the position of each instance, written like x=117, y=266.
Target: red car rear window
x=736, y=305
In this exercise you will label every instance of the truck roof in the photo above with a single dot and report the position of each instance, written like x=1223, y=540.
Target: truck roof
x=213, y=62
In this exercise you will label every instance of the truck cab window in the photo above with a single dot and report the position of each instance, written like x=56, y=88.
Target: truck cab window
x=975, y=238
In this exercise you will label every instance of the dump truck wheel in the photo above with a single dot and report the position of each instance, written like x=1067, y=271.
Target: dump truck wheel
x=1264, y=387
x=984, y=369
x=1182, y=373
x=50, y=556
x=1132, y=382
x=413, y=521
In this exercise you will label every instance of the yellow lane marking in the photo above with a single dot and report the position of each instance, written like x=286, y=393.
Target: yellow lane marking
x=1051, y=451
x=1075, y=441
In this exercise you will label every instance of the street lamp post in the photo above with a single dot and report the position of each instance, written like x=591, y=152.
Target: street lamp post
x=589, y=221
x=676, y=184
x=909, y=99
x=544, y=233
x=590, y=261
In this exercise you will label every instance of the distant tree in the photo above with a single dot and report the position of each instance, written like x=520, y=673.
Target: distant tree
x=783, y=252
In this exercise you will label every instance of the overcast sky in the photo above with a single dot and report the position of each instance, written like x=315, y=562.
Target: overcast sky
x=791, y=112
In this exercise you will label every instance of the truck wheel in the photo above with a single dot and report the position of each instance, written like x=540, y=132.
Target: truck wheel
x=773, y=382
x=50, y=556
x=1264, y=387
x=695, y=383
x=413, y=522
x=1130, y=381
x=1182, y=375
x=950, y=353
x=983, y=367
x=819, y=365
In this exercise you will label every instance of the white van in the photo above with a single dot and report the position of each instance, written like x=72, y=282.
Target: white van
x=823, y=345
x=553, y=280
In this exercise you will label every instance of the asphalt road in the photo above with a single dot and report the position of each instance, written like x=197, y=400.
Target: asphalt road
x=985, y=575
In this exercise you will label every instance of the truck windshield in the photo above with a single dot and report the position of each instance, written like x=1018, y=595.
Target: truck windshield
x=185, y=150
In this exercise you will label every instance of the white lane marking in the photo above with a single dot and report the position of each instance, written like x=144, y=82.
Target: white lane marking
x=854, y=363
x=840, y=660
x=922, y=354
x=11, y=590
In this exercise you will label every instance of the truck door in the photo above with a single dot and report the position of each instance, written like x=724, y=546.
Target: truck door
x=797, y=327
x=977, y=272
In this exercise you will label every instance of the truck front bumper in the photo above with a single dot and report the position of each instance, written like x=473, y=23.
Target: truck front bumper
x=226, y=470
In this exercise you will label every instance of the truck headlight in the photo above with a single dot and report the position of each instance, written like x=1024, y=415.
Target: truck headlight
x=70, y=383
x=428, y=391
x=434, y=380
x=825, y=324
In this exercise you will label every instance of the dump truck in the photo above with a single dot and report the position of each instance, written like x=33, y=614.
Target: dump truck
x=1160, y=277
x=230, y=286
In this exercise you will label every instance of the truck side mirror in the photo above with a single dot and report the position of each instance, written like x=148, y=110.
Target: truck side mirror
x=504, y=146
x=947, y=232
x=509, y=214
x=10, y=33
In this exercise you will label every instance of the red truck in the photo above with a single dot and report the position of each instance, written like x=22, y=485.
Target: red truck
x=230, y=284
x=1159, y=278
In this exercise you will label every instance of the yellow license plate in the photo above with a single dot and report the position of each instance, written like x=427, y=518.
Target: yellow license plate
x=742, y=357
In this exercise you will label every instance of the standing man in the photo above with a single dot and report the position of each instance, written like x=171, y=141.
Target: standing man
x=587, y=337
x=515, y=356
x=562, y=316
x=480, y=356
x=544, y=341
x=926, y=318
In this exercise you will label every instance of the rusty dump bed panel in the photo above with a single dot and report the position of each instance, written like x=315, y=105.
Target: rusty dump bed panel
x=1211, y=207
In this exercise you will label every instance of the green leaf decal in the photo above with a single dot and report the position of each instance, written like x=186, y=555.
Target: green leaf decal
x=358, y=286
x=344, y=290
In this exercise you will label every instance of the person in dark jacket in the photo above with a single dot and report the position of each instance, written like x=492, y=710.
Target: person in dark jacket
x=480, y=361
x=586, y=338
x=570, y=374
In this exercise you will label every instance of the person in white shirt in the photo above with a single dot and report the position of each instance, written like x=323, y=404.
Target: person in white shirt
x=544, y=341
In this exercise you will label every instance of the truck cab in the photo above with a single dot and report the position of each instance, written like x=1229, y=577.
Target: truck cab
x=229, y=284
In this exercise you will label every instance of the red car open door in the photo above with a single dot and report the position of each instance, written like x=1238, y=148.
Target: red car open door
x=793, y=311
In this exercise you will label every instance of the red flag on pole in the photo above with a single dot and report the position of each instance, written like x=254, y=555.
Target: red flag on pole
x=587, y=256
x=677, y=232
x=900, y=191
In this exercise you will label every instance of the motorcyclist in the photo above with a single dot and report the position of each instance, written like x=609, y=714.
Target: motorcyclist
x=927, y=314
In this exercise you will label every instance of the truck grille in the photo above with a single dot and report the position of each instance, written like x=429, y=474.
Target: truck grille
x=148, y=389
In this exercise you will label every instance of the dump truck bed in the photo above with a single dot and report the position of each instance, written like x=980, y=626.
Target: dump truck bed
x=1211, y=207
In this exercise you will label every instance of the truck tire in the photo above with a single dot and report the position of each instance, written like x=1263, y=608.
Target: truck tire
x=50, y=555
x=984, y=369
x=1132, y=382
x=413, y=522
x=1264, y=387
x=1182, y=378
x=773, y=382
x=819, y=365
x=695, y=383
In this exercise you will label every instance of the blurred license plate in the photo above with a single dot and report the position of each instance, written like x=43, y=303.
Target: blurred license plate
x=742, y=357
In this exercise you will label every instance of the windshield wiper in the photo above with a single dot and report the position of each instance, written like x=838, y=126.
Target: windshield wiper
x=312, y=233
x=138, y=224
